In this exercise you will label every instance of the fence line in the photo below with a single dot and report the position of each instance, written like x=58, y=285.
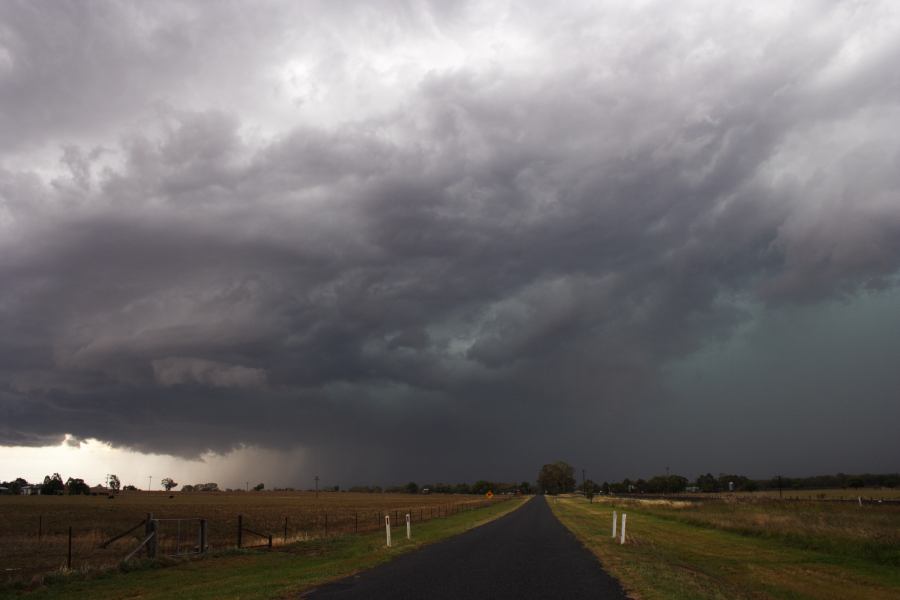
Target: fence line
x=320, y=524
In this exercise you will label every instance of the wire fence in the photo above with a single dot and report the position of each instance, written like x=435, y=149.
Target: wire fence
x=54, y=545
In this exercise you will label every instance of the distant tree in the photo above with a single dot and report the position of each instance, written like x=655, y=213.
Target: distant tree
x=856, y=482
x=739, y=482
x=662, y=484
x=14, y=487
x=589, y=489
x=259, y=487
x=482, y=487
x=556, y=478
x=676, y=484
x=366, y=489
x=53, y=485
x=187, y=488
x=76, y=487
x=412, y=488
x=604, y=487
x=168, y=483
x=114, y=483
x=525, y=487
x=129, y=488
x=708, y=483
x=618, y=488
x=461, y=488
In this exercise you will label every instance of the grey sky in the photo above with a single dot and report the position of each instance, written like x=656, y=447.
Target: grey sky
x=414, y=241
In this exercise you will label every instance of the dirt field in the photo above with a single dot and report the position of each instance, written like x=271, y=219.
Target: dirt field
x=34, y=529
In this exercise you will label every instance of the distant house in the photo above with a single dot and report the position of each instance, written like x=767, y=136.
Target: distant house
x=30, y=490
x=692, y=489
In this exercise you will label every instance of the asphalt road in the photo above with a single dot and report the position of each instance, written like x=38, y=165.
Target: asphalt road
x=527, y=554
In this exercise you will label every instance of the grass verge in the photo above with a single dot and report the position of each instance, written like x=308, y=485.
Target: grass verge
x=259, y=574
x=667, y=558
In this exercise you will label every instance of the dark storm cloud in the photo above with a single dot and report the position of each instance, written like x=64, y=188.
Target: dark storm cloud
x=486, y=274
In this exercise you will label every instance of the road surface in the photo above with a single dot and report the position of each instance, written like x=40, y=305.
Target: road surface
x=525, y=555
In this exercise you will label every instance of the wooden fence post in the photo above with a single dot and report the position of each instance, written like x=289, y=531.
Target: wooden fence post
x=240, y=530
x=148, y=528
x=69, y=555
x=270, y=541
x=285, y=529
x=40, y=527
x=153, y=543
x=326, y=524
x=203, y=536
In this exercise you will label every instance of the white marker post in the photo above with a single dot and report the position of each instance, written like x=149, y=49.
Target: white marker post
x=387, y=528
x=614, y=524
x=408, y=529
x=624, y=516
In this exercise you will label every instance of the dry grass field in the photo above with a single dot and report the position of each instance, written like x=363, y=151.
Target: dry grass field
x=34, y=529
x=847, y=494
x=740, y=547
x=834, y=494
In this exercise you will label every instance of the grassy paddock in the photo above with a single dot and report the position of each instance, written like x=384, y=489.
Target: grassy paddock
x=759, y=549
x=847, y=494
x=248, y=575
x=25, y=554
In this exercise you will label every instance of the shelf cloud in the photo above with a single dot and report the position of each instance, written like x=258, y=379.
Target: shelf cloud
x=424, y=240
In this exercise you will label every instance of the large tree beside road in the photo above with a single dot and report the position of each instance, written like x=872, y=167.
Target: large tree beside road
x=556, y=478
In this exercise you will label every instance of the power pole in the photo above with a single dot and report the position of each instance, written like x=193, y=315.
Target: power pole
x=149, y=480
x=247, y=486
x=317, y=486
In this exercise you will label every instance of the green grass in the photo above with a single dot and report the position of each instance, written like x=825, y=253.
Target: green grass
x=671, y=557
x=260, y=574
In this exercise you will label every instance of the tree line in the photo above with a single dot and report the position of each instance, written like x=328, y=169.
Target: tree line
x=559, y=477
x=480, y=487
x=726, y=482
x=53, y=485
